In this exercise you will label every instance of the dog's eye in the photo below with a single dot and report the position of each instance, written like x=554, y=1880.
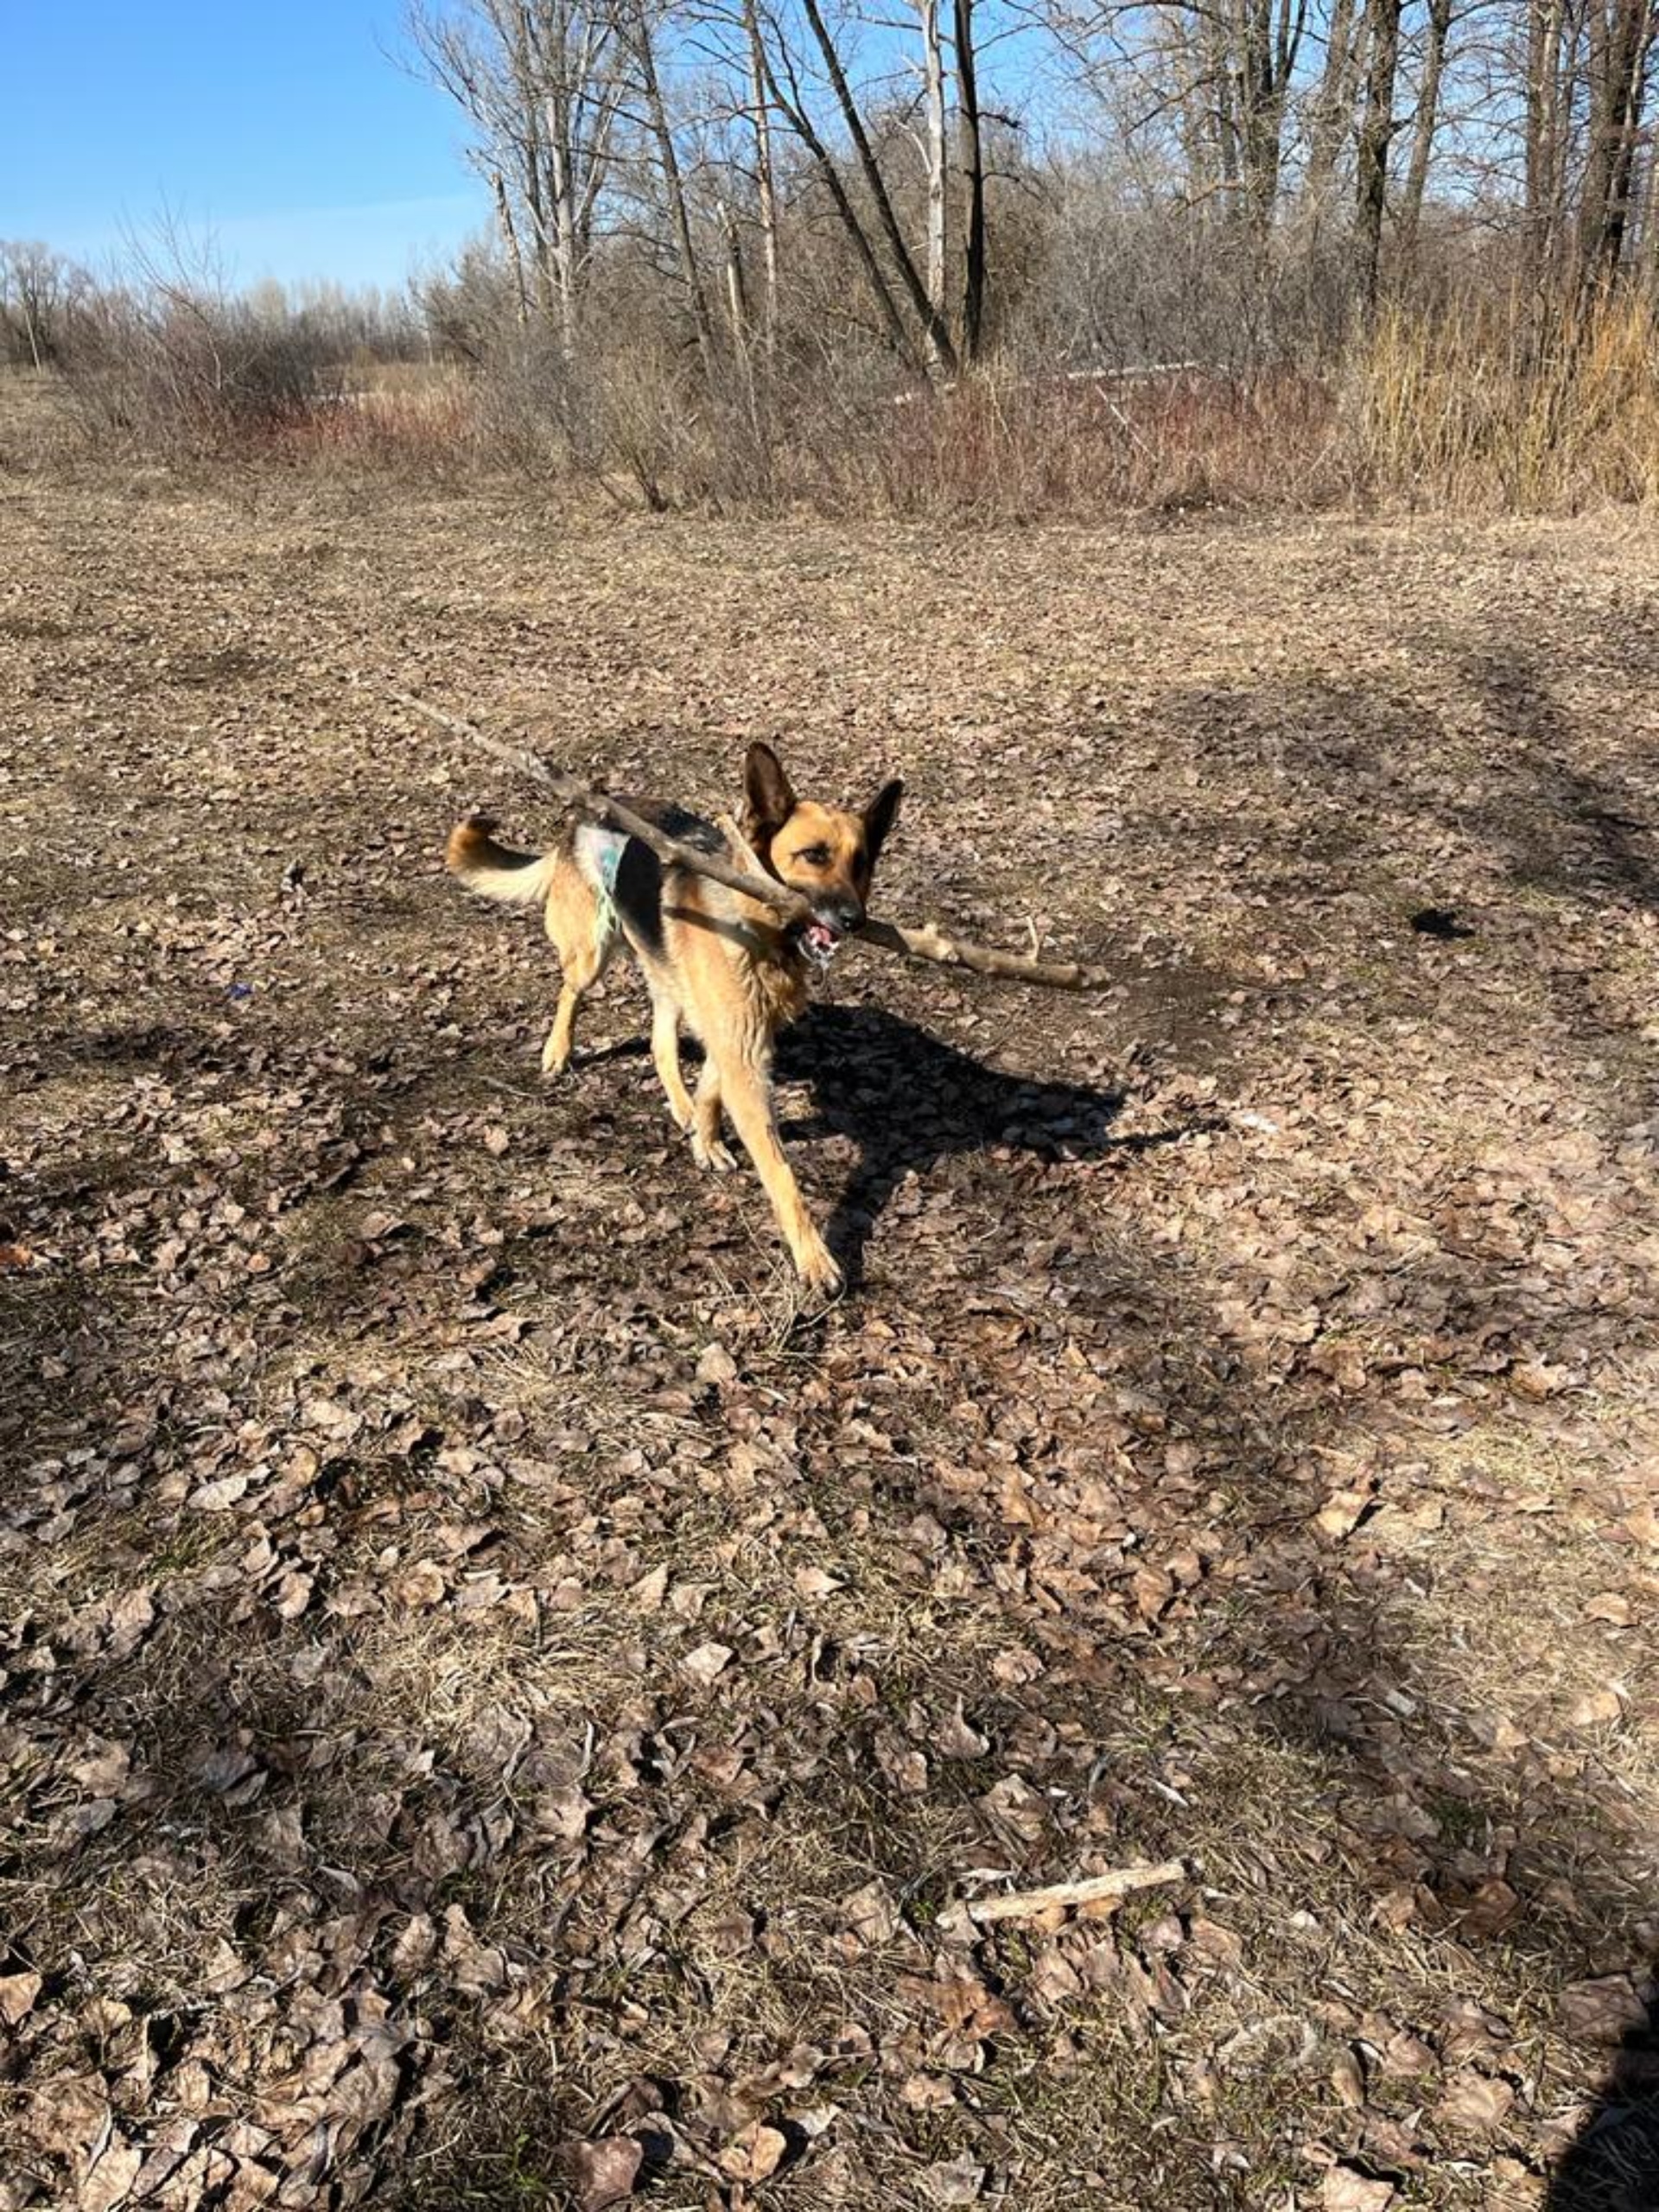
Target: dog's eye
x=814, y=855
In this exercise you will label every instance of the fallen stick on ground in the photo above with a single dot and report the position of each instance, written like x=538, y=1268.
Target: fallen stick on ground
x=1026, y=1905
x=930, y=942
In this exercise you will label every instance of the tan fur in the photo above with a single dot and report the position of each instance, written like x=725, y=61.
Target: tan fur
x=496, y=871
x=726, y=970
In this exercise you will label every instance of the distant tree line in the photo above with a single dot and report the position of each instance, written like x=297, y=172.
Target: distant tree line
x=1090, y=181
x=1173, y=249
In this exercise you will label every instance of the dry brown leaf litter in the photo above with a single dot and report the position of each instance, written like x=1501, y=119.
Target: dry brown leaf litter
x=495, y=1713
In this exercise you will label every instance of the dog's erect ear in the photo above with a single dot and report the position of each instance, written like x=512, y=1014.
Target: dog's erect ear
x=768, y=799
x=881, y=815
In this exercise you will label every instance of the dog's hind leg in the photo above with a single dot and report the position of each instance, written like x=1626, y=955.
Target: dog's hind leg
x=583, y=928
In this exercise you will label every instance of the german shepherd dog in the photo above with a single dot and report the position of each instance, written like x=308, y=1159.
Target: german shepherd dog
x=725, y=967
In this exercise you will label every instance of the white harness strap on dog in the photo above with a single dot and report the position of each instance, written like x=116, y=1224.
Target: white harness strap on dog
x=599, y=855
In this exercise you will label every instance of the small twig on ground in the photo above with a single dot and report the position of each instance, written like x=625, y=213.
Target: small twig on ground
x=929, y=942
x=1027, y=1904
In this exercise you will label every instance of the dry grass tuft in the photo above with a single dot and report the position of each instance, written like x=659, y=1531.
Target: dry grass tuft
x=1486, y=411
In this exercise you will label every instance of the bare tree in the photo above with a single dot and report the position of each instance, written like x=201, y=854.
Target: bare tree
x=1437, y=37
x=914, y=323
x=936, y=155
x=1331, y=122
x=639, y=40
x=936, y=335
x=1377, y=130
x=1267, y=48
x=39, y=293
x=764, y=183
x=816, y=176
x=1223, y=71
x=788, y=98
x=972, y=171
x=510, y=241
x=1548, y=102
x=1619, y=45
x=542, y=82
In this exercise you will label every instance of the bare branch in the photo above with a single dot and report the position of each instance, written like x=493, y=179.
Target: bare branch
x=929, y=942
x=1097, y=1889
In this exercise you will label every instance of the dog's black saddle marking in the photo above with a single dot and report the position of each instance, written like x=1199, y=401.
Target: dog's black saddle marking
x=639, y=891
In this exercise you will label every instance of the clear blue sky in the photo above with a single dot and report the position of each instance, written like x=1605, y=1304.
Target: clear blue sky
x=286, y=129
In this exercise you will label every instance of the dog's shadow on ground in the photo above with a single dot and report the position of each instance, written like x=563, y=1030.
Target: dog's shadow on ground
x=1613, y=2166
x=907, y=1100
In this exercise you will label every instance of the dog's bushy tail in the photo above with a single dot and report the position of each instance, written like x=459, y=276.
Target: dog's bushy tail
x=496, y=871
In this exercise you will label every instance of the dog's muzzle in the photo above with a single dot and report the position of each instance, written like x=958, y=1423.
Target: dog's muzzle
x=820, y=936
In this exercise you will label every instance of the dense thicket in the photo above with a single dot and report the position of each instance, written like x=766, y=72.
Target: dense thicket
x=742, y=251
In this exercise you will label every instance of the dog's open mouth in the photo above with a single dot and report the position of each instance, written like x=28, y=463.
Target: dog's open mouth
x=820, y=941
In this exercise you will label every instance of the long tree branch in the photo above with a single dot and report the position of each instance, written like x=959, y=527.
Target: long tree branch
x=929, y=942
x=614, y=813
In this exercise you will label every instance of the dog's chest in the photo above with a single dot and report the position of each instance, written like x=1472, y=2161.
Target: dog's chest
x=780, y=983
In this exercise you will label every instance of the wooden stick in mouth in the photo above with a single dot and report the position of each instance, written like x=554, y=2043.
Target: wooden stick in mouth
x=929, y=942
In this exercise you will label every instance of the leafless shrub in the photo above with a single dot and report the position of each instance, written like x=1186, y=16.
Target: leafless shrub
x=1146, y=361
x=181, y=374
x=44, y=298
x=1006, y=446
x=171, y=362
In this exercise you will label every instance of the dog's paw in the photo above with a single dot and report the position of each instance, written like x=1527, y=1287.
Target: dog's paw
x=553, y=1061
x=820, y=1273
x=717, y=1158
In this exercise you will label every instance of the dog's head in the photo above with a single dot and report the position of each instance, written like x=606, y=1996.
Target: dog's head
x=828, y=854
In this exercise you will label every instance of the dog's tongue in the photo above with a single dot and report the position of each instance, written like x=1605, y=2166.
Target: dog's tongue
x=822, y=942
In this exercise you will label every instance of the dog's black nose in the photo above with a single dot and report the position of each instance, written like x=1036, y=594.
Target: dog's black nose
x=845, y=915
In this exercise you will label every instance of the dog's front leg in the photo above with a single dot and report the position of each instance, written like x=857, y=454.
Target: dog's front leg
x=747, y=1094
x=666, y=1052
x=707, y=1149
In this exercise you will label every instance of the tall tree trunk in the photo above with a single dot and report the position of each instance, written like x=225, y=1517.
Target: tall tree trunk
x=973, y=169
x=1545, y=140
x=938, y=180
x=737, y=288
x=1621, y=37
x=1375, y=131
x=510, y=240
x=1333, y=106
x=565, y=252
x=793, y=108
x=674, y=191
x=1428, y=113
x=930, y=322
x=1621, y=198
x=1286, y=50
x=1220, y=71
x=1192, y=75
x=764, y=186
x=1267, y=41
x=525, y=136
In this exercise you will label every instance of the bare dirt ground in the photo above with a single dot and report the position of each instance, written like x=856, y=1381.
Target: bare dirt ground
x=500, y=1710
